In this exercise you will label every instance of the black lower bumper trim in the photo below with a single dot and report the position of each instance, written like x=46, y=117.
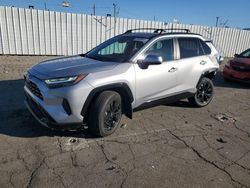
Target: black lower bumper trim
x=45, y=119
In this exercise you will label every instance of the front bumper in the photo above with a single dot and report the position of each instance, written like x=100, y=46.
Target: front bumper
x=45, y=119
x=47, y=105
x=235, y=75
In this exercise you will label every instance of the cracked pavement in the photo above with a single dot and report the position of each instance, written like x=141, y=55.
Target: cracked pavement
x=172, y=145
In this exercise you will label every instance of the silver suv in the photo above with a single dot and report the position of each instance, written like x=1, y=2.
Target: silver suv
x=130, y=71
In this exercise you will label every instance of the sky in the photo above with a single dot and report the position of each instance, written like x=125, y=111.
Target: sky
x=231, y=13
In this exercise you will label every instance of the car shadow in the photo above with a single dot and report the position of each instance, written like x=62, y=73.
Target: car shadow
x=20, y=123
x=17, y=121
x=182, y=104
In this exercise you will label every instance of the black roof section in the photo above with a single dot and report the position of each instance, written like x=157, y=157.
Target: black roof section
x=144, y=32
x=141, y=34
x=158, y=31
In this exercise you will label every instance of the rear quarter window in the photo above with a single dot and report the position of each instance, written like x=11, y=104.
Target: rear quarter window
x=192, y=47
x=205, y=47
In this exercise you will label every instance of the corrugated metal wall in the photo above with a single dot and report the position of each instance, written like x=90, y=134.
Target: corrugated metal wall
x=39, y=32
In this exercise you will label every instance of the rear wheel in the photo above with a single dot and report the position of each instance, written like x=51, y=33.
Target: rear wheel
x=204, y=93
x=105, y=114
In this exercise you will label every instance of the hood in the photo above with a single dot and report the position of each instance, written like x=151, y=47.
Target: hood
x=242, y=61
x=69, y=66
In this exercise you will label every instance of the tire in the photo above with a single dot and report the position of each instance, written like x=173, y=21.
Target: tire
x=204, y=93
x=105, y=114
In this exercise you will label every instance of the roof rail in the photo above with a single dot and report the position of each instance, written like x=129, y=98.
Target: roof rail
x=176, y=29
x=155, y=30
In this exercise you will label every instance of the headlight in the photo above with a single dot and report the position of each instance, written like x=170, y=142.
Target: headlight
x=64, y=81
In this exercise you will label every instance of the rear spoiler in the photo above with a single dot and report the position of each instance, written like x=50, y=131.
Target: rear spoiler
x=208, y=40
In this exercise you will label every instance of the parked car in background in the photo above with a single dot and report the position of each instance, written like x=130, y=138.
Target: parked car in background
x=238, y=69
x=129, y=71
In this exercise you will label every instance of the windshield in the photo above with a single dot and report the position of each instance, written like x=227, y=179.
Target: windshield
x=245, y=54
x=118, y=49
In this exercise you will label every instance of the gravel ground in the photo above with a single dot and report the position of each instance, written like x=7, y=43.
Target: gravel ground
x=166, y=146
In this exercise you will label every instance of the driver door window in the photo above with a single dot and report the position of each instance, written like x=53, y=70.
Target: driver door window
x=163, y=48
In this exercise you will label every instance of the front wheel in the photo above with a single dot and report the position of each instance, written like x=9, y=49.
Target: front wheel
x=204, y=93
x=105, y=114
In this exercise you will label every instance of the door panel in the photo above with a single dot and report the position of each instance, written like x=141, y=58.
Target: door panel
x=189, y=72
x=191, y=64
x=155, y=82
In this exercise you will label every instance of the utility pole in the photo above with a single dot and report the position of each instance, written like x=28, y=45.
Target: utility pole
x=94, y=9
x=114, y=6
x=217, y=20
x=45, y=6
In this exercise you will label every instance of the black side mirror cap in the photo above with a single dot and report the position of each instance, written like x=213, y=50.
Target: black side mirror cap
x=151, y=60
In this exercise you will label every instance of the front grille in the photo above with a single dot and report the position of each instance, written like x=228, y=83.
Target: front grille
x=34, y=89
x=241, y=69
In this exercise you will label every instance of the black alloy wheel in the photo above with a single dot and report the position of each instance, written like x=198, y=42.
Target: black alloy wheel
x=105, y=114
x=204, y=93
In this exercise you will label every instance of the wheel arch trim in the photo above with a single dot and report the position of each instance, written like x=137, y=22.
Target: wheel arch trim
x=118, y=87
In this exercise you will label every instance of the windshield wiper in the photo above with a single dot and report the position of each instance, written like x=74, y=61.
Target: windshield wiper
x=95, y=58
x=82, y=55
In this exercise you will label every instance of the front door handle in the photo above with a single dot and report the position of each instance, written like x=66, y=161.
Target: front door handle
x=173, y=69
x=203, y=62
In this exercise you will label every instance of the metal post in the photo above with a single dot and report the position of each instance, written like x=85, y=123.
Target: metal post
x=114, y=5
x=217, y=20
x=94, y=9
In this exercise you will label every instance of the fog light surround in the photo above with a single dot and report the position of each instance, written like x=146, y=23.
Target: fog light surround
x=66, y=106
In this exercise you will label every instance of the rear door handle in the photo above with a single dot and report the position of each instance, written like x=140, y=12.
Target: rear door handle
x=203, y=62
x=173, y=69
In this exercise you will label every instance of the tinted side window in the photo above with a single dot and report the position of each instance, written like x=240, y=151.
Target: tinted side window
x=205, y=47
x=192, y=47
x=163, y=48
x=245, y=53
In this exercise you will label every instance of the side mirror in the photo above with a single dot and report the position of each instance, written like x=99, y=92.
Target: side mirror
x=236, y=55
x=151, y=60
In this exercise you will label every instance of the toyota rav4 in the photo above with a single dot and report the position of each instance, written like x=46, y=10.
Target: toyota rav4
x=135, y=69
